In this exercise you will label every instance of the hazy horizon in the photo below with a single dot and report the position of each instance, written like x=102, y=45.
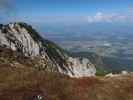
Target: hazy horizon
x=57, y=16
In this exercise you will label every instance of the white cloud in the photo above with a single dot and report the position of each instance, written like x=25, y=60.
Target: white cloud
x=103, y=17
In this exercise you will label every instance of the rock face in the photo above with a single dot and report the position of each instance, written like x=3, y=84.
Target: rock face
x=82, y=67
x=23, y=39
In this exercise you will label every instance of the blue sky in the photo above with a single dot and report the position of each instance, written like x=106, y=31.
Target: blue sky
x=36, y=9
x=68, y=12
x=70, y=7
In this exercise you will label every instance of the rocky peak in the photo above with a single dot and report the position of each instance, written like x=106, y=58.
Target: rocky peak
x=22, y=38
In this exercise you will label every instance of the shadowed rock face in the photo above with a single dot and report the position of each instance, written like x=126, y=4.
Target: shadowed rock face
x=23, y=39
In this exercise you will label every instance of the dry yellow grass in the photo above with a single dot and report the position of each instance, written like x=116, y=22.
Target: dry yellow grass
x=25, y=83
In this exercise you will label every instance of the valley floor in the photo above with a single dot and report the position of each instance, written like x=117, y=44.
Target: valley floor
x=30, y=84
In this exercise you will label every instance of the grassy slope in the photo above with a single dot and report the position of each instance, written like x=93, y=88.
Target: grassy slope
x=25, y=83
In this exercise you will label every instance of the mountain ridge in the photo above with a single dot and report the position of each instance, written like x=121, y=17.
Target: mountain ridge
x=25, y=40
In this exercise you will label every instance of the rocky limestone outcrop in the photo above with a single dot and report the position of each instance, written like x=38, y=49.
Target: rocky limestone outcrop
x=23, y=39
x=81, y=67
